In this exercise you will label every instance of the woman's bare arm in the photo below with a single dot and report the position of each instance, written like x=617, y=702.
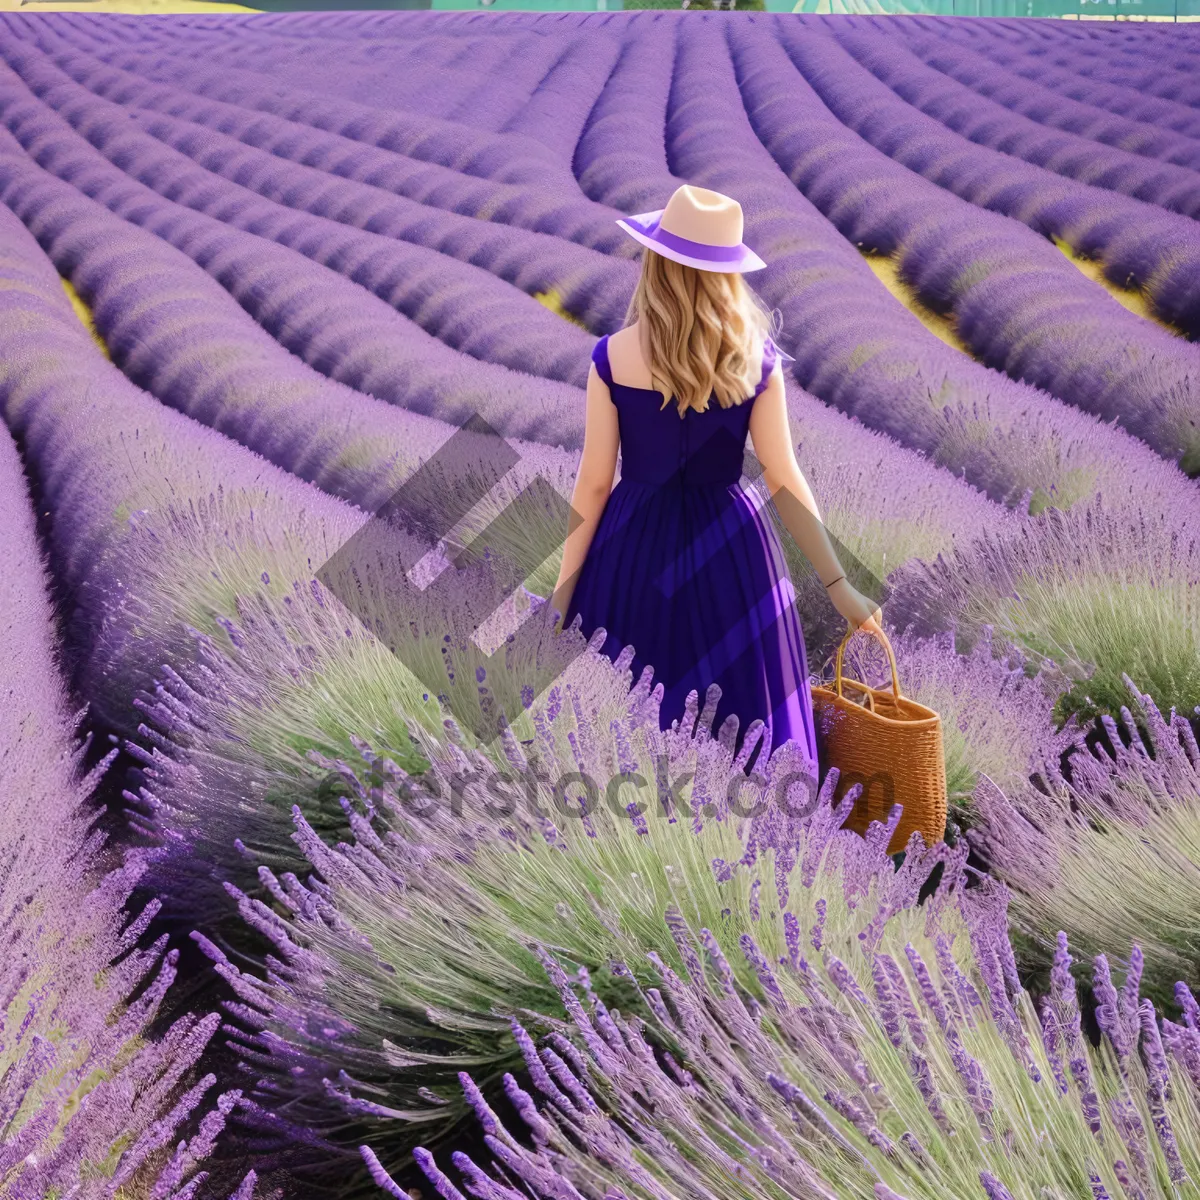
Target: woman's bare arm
x=593, y=483
x=772, y=437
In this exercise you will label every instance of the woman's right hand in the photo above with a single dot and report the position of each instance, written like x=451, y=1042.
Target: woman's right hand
x=862, y=613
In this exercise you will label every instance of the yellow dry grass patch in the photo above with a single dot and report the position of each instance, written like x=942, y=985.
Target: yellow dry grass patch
x=1134, y=299
x=553, y=301
x=81, y=310
x=887, y=271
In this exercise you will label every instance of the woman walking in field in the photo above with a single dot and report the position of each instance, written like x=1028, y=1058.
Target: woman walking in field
x=678, y=560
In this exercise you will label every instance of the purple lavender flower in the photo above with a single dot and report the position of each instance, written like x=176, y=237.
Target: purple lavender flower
x=818, y=928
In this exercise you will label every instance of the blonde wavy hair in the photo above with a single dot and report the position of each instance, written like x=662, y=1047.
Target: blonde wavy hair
x=706, y=332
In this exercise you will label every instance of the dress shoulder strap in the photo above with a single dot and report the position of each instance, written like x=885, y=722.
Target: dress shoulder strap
x=770, y=357
x=600, y=358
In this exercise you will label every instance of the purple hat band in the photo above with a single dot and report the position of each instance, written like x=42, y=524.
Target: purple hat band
x=646, y=229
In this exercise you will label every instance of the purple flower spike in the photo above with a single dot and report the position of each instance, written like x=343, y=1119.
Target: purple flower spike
x=384, y=1180
x=1187, y=1002
x=993, y=1187
x=819, y=928
x=429, y=1167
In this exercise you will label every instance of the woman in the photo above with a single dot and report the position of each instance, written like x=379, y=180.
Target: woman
x=678, y=560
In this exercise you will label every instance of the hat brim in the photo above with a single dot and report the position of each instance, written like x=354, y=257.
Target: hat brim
x=747, y=260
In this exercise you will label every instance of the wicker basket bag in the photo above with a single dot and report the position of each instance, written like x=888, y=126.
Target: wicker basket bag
x=892, y=746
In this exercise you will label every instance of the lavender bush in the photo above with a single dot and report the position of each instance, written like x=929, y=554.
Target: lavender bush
x=90, y=1105
x=1084, y=592
x=369, y=346
x=895, y=1072
x=465, y=849
x=1111, y=855
x=1017, y=302
x=453, y=962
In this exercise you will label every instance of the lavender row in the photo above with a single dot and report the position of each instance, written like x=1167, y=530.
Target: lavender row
x=873, y=285
x=1100, y=110
x=336, y=326
x=72, y=1022
x=941, y=94
x=976, y=1097
x=112, y=467
x=161, y=530
x=1139, y=245
x=1111, y=593
x=857, y=348
x=108, y=259
x=462, y=305
x=268, y=155
x=420, y=71
x=1006, y=287
x=193, y=527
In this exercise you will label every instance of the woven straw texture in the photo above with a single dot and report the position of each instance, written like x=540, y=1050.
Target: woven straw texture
x=892, y=746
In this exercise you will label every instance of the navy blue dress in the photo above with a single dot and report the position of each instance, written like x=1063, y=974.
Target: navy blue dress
x=687, y=568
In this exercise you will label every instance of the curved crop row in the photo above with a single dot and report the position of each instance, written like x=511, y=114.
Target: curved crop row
x=1138, y=243
x=335, y=325
x=73, y=1030
x=1018, y=304
x=1055, y=98
x=474, y=186
x=268, y=155
x=360, y=449
x=1053, y=70
x=464, y=306
x=859, y=349
x=942, y=91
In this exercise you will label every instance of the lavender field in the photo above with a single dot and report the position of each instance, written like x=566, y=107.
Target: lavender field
x=265, y=930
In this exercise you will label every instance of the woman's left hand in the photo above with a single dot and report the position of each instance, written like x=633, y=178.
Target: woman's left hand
x=860, y=611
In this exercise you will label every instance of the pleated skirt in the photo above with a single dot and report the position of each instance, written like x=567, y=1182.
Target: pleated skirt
x=694, y=578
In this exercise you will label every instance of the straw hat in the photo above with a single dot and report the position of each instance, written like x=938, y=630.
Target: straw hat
x=698, y=228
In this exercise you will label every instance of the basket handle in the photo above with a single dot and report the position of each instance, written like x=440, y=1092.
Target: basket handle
x=891, y=662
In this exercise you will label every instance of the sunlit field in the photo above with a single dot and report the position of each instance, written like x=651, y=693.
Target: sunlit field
x=278, y=922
